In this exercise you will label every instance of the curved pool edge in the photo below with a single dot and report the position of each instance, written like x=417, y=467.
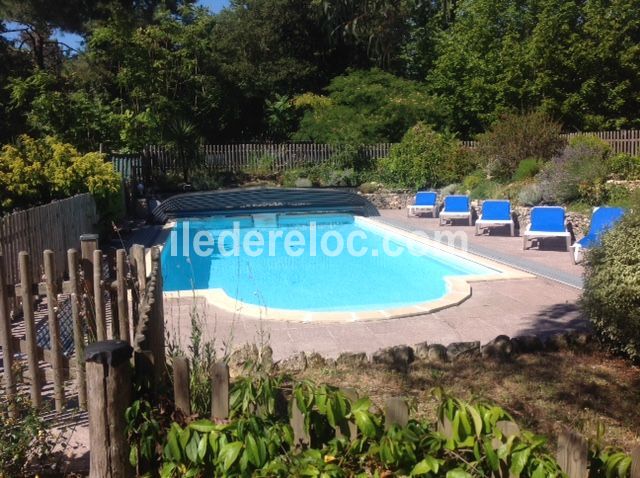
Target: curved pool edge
x=459, y=290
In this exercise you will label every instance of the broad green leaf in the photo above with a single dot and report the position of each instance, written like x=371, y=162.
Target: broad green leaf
x=458, y=473
x=203, y=426
x=229, y=454
x=519, y=460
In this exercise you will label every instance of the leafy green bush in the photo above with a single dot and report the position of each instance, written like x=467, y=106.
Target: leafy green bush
x=611, y=296
x=420, y=159
x=624, y=166
x=530, y=195
x=24, y=440
x=35, y=171
x=516, y=137
x=527, y=169
x=366, y=107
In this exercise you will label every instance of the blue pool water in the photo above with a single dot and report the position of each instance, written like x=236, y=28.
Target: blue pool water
x=311, y=279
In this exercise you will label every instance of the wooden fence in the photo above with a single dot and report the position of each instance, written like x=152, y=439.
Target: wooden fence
x=53, y=320
x=267, y=158
x=272, y=158
x=55, y=226
x=625, y=141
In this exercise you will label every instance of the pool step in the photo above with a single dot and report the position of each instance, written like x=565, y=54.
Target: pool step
x=265, y=220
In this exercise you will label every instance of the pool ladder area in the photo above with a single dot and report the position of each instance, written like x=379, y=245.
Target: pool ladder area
x=265, y=220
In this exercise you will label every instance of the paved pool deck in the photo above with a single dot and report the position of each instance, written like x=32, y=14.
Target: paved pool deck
x=540, y=305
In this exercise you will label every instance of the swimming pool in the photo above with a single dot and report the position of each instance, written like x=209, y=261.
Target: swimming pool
x=304, y=266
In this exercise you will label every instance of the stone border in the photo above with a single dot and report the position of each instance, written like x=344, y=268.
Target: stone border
x=401, y=357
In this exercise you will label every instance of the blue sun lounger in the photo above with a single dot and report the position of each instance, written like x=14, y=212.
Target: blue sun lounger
x=602, y=219
x=456, y=207
x=425, y=202
x=495, y=213
x=546, y=221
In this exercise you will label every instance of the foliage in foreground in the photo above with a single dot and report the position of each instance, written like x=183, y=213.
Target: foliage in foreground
x=24, y=439
x=259, y=441
x=36, y=171
x=611, y=297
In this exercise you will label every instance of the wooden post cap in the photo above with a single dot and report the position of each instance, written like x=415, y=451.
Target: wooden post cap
x=89, y=237
x=109, y=352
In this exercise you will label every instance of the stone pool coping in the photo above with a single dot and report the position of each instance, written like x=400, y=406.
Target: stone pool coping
x=459, y=288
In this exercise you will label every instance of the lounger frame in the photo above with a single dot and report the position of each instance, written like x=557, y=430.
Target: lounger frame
x=489, y=223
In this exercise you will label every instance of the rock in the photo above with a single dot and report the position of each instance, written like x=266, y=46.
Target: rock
x=295, y=363
x=437, y=353
x=421, y=351
x=303, y=183
x=396, y=358
x=526, y=344
x=557, y=342
x=352, y=359
x=580, y=339
x=458, y=350
x=499, y=348
x=242, y=358
x=315, y=360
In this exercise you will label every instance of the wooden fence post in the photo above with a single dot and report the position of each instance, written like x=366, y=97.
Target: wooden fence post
x=301, y=438
x=157, y=327
x=98, y=297
x=78, y=327
x=121, y=289
x=26, y=283
x=55, y=343
x=396, y=412
x=181, y=392
x=139, y=271
x=110, y=388
x=572, y=454
x=6, y=341
x=219, y=391
x=88, y=244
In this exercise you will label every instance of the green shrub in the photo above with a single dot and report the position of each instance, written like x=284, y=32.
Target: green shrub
x=35, y=171
x=420, y=159
x=369, y=187
x=25, y=440
x=611, y=295
x=624, y=166
x=363, y=106
x=530, y=195
x=516, y=137
x=527, y=169
x=473, y=180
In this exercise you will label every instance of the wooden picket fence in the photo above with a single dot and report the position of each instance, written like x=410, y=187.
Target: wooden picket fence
x=270, y=158
x=47, y=323
x=55, y=226
x=623, y=141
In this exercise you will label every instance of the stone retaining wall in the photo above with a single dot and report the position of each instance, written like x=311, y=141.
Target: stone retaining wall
x=401, y=357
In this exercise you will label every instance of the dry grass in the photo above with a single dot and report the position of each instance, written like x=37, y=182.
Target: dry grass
x=543, y=392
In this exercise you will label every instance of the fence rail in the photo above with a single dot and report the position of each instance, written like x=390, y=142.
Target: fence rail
x=56, y=226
